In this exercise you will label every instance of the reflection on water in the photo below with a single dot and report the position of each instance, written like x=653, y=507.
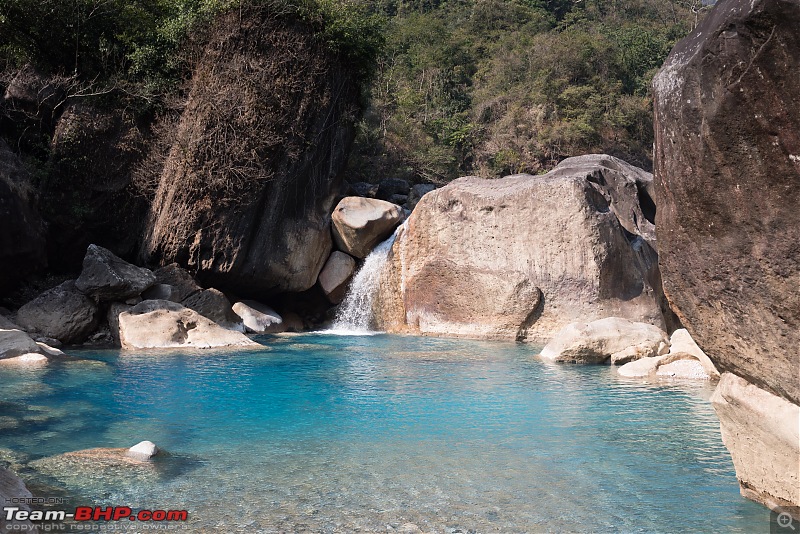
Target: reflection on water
x=338, y=434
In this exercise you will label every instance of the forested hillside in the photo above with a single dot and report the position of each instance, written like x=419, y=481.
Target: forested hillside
x=493, y=87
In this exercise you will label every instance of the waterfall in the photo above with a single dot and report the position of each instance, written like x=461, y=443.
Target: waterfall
x=355, y=312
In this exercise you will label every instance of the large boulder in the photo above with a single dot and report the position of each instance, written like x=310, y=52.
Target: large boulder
x=107, y=277
x=727, y=176
x=523, y=256
x=335, y=276
x=761, y=431
x=245, y=196
x=63, y=313
x=22, y=239
x=361, y=223
x=160, y=324
x=727, y=173
x=610, y=338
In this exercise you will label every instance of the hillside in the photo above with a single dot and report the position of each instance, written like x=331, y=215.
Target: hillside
x=491, y=87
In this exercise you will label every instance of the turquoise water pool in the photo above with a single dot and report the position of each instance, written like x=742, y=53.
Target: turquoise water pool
x=323, y=433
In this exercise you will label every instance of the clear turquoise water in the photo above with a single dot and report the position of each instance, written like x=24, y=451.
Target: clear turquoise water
x=322, y=433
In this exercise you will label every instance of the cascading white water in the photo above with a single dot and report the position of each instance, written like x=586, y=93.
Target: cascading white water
x=355, y=312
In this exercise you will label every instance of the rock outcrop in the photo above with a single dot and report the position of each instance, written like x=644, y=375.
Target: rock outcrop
x=523, y=256
x=361, y=223
x=13, y=489
x=63, y=313
x=727, y=176
x=335, y=275
x=156, y=324
x=22, y=239
x=727, y=167
x=107, y=277
x=761, y=431
x=612, y=338
x=246, y=192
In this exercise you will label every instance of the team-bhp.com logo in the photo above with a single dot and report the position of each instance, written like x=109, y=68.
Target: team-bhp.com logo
x=96, y=513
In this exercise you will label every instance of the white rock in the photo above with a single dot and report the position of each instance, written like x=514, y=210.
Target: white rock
x=762, y=433
x=165, y=324
x=361, y=223
x=600, y=340
x=640, y=368
x=681, y=342
x=31, y=358
x=259, y=318
x=688, y=368
x=143, y=450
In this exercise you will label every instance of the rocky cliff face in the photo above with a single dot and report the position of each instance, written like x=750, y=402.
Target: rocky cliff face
x=246, y=194
x=22, y=239
x=727, y=175
x=521, y=257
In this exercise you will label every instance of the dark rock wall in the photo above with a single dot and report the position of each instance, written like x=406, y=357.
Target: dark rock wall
x=727, y=175
x=246, y=192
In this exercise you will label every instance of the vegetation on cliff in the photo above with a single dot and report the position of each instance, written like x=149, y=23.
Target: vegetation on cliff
x=494, y=87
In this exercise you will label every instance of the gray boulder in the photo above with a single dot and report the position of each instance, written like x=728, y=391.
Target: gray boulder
x=390, y=187
x=156, y=324
x=112, y=317
x=107, y=277
x=215, y=306
x=335, y=275
x=361, y=223
x=63, y=313
x=182, y=283
x=363, y=189
x=417, y=192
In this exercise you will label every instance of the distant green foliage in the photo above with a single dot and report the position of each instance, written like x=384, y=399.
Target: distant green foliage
x=493, y=87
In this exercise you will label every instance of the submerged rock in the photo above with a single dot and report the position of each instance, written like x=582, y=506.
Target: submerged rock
x=63, y=313
x=259, y=318
x=523, y=256
x=762, y=432
x=611, y=338
x=143, y=450
x=361, y=223
x=336, y=274
x=165, y=324
x=107, y=277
